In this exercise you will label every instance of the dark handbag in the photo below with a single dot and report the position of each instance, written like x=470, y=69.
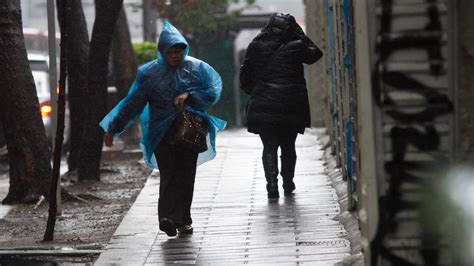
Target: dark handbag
x=191, y=131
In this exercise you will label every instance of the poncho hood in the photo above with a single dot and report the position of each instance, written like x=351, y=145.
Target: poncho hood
x=170, y=36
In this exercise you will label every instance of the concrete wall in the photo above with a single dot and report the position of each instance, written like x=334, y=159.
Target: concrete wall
x=368, y=207
x=315, y=74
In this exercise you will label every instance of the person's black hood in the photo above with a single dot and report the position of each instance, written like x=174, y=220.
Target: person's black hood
x=279, y=23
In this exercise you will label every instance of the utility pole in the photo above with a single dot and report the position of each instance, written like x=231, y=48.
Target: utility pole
x=238, y=115
x=149, y=21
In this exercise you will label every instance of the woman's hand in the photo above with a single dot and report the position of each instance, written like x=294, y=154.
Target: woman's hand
x=179, y=100
x=108, y=140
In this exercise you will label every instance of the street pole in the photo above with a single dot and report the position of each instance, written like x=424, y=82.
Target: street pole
x=236, y=91
x=53, y=82
x=149, y=21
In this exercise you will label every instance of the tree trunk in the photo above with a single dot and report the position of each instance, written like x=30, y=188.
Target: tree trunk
x=78, y=53
x=28, y=149
x=91, y=151
x=123, y=56
x=124, y=64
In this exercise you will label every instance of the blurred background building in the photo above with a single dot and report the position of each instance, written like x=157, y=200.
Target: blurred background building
x=34, y=15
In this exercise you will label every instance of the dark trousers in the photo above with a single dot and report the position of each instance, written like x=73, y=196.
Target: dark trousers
x=177, y=174
x=283, y=139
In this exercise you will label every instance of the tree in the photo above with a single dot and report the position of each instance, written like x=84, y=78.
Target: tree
x=201, y=21
x=78, y=51
x=107, y=12
x=28, y=148
x=124, y=61
x=124, y=64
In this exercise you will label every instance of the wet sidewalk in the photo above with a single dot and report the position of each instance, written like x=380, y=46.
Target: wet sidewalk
x=234, y=222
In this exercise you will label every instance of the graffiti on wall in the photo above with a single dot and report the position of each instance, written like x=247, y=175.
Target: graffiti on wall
x=412, y=127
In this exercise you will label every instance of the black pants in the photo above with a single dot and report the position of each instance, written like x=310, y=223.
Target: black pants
x=284, y=139
x=177, y=174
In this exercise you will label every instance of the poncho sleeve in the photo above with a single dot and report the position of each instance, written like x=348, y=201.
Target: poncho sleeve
x=210, y=90
x=129, y=108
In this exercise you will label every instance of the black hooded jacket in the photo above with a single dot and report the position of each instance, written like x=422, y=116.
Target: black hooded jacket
x=272, y=73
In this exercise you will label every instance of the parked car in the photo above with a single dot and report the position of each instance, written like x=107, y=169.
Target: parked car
x=39, y=64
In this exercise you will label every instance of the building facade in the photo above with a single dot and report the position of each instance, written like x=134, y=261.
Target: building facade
x=34, y=15
x=396, y=87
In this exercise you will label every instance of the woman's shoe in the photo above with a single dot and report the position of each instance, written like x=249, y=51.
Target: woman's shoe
x=186, y=229
x=270, y=167
x=168, y=226
x=272, y=189
x=288, y=163
x=288, y=186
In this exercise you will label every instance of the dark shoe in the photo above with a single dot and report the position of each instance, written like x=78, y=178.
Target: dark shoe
x=288, y=186
x=288, y=172
x=273, y=195
x=168, y=226
x=186, y=229
x=270, y=165
x=272, y=189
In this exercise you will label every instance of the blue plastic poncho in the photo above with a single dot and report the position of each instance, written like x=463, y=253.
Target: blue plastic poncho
x=152, y=94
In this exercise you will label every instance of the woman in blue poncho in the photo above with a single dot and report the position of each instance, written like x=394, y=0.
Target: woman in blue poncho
x=162, y=88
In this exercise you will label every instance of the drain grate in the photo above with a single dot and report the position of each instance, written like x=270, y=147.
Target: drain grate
x=324, y=243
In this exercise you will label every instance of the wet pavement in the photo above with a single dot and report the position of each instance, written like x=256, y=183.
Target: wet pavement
x=234, y=222
x=4, y=209
x=4, y=182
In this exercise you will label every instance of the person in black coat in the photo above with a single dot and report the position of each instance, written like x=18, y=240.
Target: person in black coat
x=278, y=107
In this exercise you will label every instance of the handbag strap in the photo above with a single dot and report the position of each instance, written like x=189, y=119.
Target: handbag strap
x=270, y=61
